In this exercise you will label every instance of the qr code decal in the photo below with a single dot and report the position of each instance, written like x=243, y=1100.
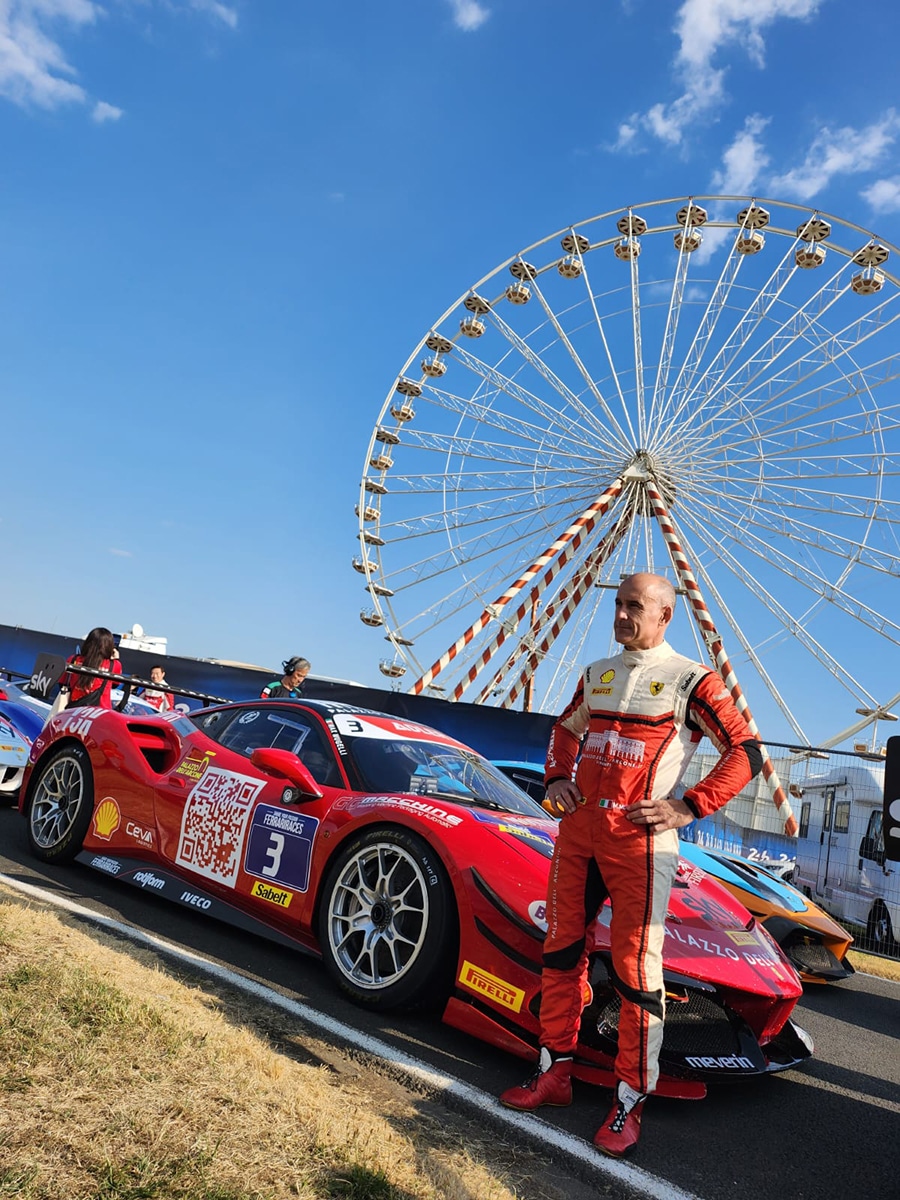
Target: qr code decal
x=214, y=824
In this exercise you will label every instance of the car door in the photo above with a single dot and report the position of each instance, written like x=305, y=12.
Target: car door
x=246, y=830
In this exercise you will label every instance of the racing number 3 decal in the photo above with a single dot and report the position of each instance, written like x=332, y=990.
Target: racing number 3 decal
x=279, y=847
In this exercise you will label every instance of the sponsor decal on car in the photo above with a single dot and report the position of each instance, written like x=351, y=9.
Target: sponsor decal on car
x=279, y=848
x=741, y=938
x=148, y=880
x=107, y=819
x=526, y=833
x=214, y=823
x=700, y=943
x=264, y=891
x=194, y=764
x=110, y=865
x=139, y=833
x=725, y=1062
x=431, y=812
x=492, y=987
x=78, y=722
x=537, y=911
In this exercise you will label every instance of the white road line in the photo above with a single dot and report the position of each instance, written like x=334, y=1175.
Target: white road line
x=538, y=1132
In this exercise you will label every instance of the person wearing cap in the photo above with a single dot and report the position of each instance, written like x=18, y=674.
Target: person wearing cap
x=290, y=684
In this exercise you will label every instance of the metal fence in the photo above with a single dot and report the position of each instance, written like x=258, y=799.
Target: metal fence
x=837, y=859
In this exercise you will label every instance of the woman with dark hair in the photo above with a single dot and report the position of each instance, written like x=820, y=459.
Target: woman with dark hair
x=98, y=652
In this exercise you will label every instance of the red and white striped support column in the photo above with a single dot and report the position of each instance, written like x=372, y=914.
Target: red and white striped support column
x=569, y=598
x=717, y=650
x=570, y=539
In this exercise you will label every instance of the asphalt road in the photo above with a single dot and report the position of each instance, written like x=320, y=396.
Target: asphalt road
x=832, y=1125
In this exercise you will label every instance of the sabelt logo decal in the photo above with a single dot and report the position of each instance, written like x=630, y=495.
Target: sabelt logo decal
x=489, y=986
x=274, y=895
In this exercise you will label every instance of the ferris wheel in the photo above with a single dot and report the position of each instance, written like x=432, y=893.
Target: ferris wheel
x=704, y=387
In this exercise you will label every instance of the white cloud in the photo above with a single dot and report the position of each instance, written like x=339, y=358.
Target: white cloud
x=104, y=112
x=744, y=160
x=704, y=28
x=120, y=553
x=222, y=11
x=884, y=195
x=839, y=152
x=34, y=67
x=468, y=14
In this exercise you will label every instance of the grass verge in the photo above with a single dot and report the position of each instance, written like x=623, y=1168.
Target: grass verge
x=118, y=1082
x=874, y=964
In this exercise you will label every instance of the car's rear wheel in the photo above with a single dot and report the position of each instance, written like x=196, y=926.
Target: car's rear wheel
x=388, y=922
x=879, y=931
x=61, y=804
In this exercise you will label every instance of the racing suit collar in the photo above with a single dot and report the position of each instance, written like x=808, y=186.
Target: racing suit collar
x=635, y=658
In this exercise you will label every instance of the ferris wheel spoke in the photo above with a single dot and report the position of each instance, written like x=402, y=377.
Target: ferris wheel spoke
x=767, y=392
x=579, y=426
x=566, y=342
x=743, y=331
x=795, y=325
x=715, y=307
x=486, y=511
x=821, y=588
x=670, y=332
x=537, y=363
x=735, y=626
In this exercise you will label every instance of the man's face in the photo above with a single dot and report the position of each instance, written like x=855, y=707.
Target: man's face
x=157, y=675
x=641, y=620
x=297, y=677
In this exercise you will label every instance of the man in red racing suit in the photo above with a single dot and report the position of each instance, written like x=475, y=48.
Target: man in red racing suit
x=631, y=728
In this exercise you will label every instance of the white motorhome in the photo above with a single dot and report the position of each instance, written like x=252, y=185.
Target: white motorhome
x=840, y=852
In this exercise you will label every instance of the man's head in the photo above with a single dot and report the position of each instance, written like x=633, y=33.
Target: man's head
x=296, y=670
x=645, y=604
x=157, y=674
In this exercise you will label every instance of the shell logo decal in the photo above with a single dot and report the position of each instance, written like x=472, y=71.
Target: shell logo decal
x=107, y=819
x=656, y=687
x=607, y=676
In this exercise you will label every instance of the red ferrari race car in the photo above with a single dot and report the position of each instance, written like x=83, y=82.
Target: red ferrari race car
x=411, y=865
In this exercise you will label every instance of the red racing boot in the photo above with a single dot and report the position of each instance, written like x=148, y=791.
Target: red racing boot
x=550, y=1084
x=619, y=1133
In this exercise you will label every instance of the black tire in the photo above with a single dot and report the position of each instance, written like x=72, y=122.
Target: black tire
x=879, y=931
x=61, y=805
x=388, y=925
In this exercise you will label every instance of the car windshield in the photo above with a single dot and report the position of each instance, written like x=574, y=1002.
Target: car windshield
x=431, y=769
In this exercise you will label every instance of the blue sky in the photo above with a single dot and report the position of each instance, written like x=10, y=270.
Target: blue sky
x=225, y=226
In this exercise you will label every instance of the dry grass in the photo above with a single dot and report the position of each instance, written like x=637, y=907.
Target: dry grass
x=117, y=1082
x=873, y=964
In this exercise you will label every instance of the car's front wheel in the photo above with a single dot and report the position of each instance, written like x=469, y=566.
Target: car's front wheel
x=388, y=922
x=61, y=805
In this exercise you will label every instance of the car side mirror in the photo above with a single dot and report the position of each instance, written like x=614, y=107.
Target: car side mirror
x=287, y=766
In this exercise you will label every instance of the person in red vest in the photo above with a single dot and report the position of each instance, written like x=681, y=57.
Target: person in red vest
x=99, y=652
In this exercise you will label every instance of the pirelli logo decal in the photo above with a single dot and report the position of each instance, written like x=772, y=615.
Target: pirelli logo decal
x=492, y=988
x=274, y=895
x=742, y=939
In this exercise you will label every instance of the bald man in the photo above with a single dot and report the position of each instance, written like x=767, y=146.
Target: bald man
x=631, y=728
